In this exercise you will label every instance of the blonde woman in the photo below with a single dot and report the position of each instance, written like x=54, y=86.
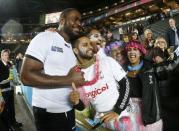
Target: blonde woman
x=149, y=40
x=161, y=43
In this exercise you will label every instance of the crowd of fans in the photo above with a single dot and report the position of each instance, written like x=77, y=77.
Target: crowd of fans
x=160, y=52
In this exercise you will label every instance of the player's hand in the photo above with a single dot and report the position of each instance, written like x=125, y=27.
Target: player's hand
x=109, y=116
x=74, y=95
x=77, y=76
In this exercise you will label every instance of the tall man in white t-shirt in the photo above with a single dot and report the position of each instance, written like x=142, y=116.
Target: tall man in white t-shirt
x=49, y=67
x=107, y=88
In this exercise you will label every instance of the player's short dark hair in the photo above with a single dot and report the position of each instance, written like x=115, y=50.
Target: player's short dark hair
x=65, y=12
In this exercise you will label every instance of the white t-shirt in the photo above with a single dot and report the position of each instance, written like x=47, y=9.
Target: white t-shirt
x=58, y=58
x=104, y=94
x=101, y=53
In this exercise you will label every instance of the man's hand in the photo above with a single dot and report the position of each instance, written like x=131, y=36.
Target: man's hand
x=74, y=95
x=171, y=57
x=76, y=76
x=109, y=116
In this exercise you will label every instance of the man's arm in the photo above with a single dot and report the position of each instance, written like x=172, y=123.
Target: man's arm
x=124, y=88
x=32, y=75
x=124, y=96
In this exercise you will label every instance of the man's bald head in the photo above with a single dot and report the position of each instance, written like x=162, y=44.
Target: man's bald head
x=172, y=23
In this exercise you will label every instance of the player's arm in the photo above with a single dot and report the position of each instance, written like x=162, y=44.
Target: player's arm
x=124, y=91
x=32, y=75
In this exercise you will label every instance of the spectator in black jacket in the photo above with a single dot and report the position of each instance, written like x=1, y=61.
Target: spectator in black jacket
x=172, y=34
x=144, y=107
x=167, y=71
x=8, y=114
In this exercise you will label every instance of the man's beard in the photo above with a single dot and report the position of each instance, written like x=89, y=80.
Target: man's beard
x=85, y=56
x=73, y=36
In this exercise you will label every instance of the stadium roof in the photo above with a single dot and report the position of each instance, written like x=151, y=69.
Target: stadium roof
x=22, y=8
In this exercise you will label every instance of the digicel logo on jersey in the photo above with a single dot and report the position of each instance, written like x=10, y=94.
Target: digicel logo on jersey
x=98, y=91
